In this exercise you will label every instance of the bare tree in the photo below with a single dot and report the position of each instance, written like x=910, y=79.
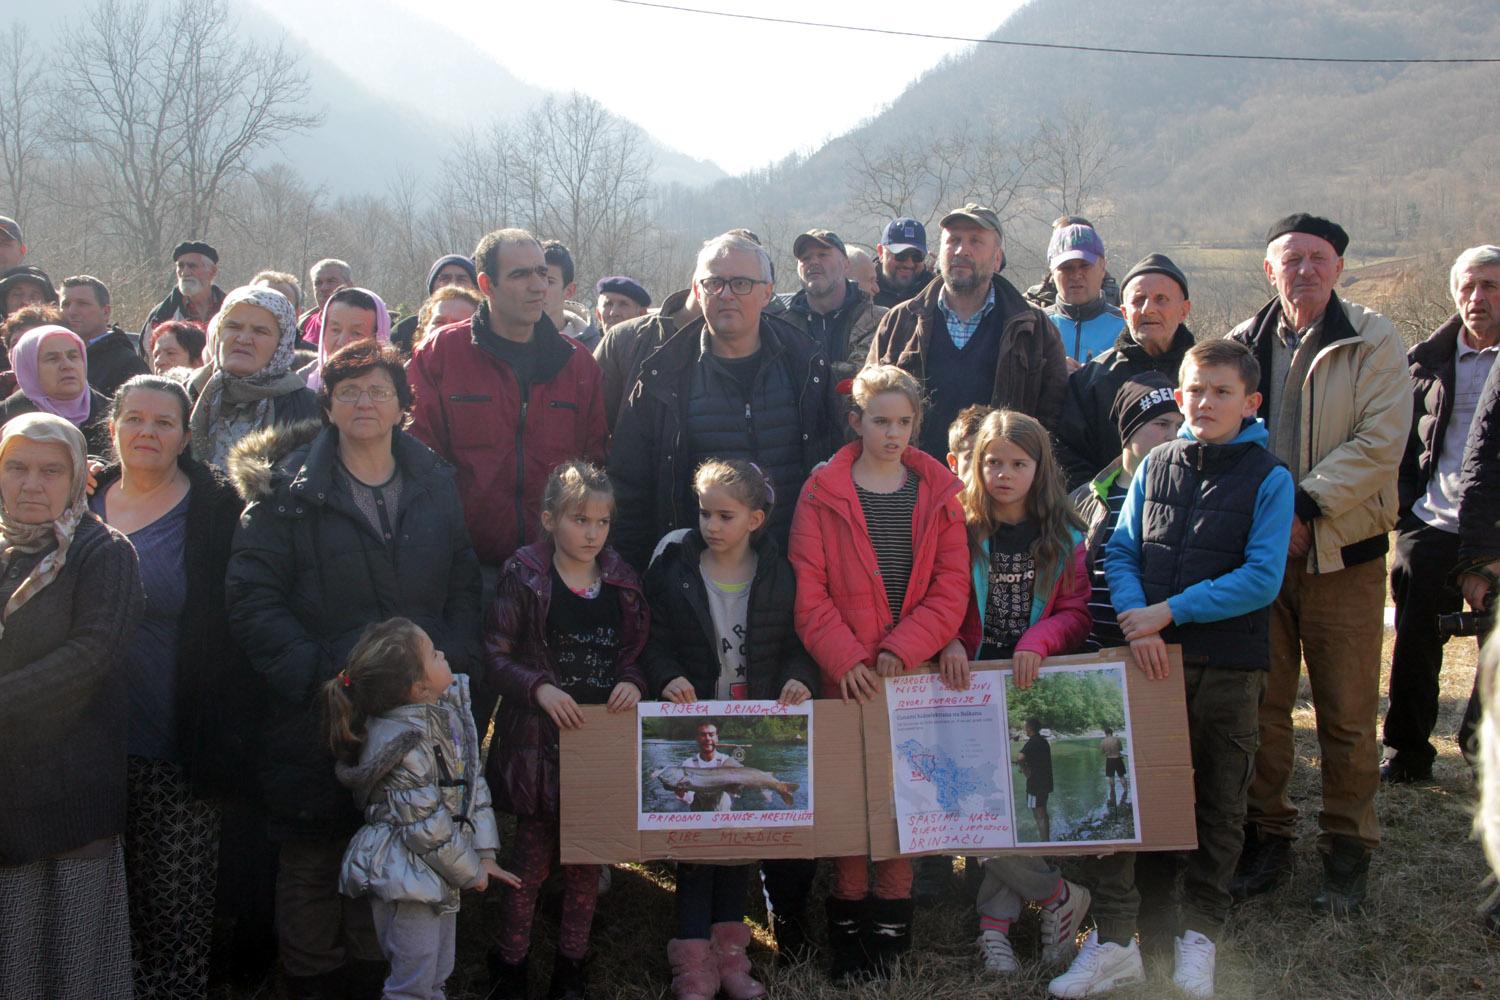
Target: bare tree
x=1077, y=156
x=174, y=107
x=914, y=177
x=22, y=115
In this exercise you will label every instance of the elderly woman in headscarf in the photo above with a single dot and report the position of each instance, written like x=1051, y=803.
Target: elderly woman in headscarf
x=70, y=594
x=350, y=314
x=249, y=384
x=52, y=376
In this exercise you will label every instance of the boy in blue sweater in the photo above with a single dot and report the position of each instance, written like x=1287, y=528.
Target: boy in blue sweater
x=1196, y=559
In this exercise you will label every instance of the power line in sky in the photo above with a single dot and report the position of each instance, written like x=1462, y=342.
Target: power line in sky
x=1253, y=57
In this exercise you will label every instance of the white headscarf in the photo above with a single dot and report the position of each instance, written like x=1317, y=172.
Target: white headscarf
x=16, y=537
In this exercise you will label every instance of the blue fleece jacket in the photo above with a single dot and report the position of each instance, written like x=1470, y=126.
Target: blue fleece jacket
x=1247, y=588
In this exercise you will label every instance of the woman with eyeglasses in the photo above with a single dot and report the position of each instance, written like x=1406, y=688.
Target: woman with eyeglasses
x=347, y=524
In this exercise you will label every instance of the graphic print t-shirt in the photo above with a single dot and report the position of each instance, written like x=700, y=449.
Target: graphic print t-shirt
x=1007, y=611
x=729, y=606
x=583, y=634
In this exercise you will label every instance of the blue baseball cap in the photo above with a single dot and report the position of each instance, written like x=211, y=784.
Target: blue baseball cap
x=904, y=234
x=1074, y=243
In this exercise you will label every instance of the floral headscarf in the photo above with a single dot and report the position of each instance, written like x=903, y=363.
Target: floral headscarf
x=16, y=537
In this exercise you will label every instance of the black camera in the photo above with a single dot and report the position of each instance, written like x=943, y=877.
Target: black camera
x=1469, y=622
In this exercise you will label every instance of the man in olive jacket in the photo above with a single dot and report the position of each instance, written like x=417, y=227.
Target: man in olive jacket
x=1337, y=402
x=971, y=337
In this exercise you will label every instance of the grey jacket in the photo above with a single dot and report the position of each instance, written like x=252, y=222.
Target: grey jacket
x=426, y=806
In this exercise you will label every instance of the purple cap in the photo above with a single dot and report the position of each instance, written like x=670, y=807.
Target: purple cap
x=904, y=234
x=1074, y=243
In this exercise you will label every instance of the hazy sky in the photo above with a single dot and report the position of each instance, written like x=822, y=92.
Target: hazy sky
x=739, y=93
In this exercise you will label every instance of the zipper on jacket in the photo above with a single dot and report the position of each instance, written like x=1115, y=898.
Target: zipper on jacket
x=1187, y=523
x=521, y=474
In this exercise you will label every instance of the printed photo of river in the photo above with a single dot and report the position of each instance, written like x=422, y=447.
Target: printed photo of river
x=1071, y=757
x=727, y=764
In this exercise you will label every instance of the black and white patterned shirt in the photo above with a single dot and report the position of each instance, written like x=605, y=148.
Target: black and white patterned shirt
x=888, y=518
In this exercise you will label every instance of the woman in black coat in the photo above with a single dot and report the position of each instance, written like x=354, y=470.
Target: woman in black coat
x=184, y=681
x=346, y=525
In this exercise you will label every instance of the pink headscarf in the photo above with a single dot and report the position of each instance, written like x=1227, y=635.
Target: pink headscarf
x=382, y=332
x=23, y=356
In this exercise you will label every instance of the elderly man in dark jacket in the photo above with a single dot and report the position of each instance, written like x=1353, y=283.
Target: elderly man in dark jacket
x=971, y=337
x=1448, y=372
x=732, y=384
x=195, y=297
x=834, y=311
x=1155, y=338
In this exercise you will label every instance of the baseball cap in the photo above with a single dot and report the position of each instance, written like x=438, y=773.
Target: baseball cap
x=827, y=237
x=1074, y=243
x=978, y=214
x=904, y=234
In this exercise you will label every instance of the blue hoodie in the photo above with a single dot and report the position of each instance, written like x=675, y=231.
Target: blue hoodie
x=1250, y=587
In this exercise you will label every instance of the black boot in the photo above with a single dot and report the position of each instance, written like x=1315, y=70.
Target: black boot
x=889, y=934
x=507, y=981
x=789, y=926
x=847, y=920
x=1264, y=862
x=364, y=979
x=932, y=876
x=324, y=987
x=568, y=981
x=1346, y=877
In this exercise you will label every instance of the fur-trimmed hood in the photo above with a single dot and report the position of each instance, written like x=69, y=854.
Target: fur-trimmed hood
x=254, y=461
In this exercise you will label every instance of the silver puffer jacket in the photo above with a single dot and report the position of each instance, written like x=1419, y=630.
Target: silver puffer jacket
x=428, y=820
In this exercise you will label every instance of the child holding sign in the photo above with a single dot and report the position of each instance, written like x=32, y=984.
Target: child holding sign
x=882, y=580
x=1028, y=601
x=567, y=626
x=721, y=628
x=1197, y=559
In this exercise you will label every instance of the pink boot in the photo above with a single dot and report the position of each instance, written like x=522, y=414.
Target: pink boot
x=729, y=943
x=694, y=974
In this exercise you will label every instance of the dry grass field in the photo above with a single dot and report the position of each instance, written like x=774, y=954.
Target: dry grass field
x=1419, y=939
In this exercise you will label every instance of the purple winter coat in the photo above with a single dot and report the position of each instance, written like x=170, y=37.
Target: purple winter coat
x=524, y=766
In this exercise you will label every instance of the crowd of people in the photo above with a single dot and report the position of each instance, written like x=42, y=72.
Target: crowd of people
x=274, y=571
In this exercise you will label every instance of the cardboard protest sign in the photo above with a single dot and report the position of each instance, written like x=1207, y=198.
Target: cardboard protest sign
x=945, y=800
x=606, y=796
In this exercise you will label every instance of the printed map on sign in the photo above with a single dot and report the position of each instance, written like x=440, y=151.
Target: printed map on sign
x=951, y=791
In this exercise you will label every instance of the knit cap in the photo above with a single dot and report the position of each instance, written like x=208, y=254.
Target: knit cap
x=1142, y=399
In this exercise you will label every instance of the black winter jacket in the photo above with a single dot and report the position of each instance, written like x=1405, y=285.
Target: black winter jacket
x=1088, y=433
x=1479, y=487
x=1433, y=373
x=683, y=642
x=308, y=573
x=95, y=426
x=114, y=360
x=220, y=701
x=650, y=458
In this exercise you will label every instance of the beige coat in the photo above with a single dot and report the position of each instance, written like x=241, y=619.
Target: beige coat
x=1356, y=412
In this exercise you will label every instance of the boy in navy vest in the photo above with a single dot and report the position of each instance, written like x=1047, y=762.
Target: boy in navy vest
x=1196, y=559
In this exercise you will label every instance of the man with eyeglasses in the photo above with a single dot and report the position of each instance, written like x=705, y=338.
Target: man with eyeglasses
x=903, y=262
x=731, y=383
x=971, y=338
x=505, y=398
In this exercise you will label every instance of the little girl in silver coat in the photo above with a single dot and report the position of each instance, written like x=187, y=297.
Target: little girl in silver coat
x=400, y=724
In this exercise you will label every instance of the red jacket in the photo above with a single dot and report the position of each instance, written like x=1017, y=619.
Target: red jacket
x=469, y=410
x=843, y=616
x=1064, y=621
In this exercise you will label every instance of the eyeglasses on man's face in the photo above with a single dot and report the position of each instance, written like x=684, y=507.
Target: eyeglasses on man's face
x=715, y=285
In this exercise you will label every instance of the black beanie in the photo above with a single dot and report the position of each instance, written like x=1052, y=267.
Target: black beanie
x=1142, y=399
x=1157, y=263
x=1312, y=225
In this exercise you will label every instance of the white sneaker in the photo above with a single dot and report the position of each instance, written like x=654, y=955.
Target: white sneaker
x=1193, y=972
x=996, y=952
x=1099, y=968
x=1060, y=926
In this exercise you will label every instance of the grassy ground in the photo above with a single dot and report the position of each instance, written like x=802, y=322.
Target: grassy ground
x=1420, y=938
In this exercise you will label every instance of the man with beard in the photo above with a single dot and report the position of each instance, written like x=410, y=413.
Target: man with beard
x=971, y=337
x=830, y=308
x=1448, y=372
x=903, y=262
x=1155, y=339
x=195, y=298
